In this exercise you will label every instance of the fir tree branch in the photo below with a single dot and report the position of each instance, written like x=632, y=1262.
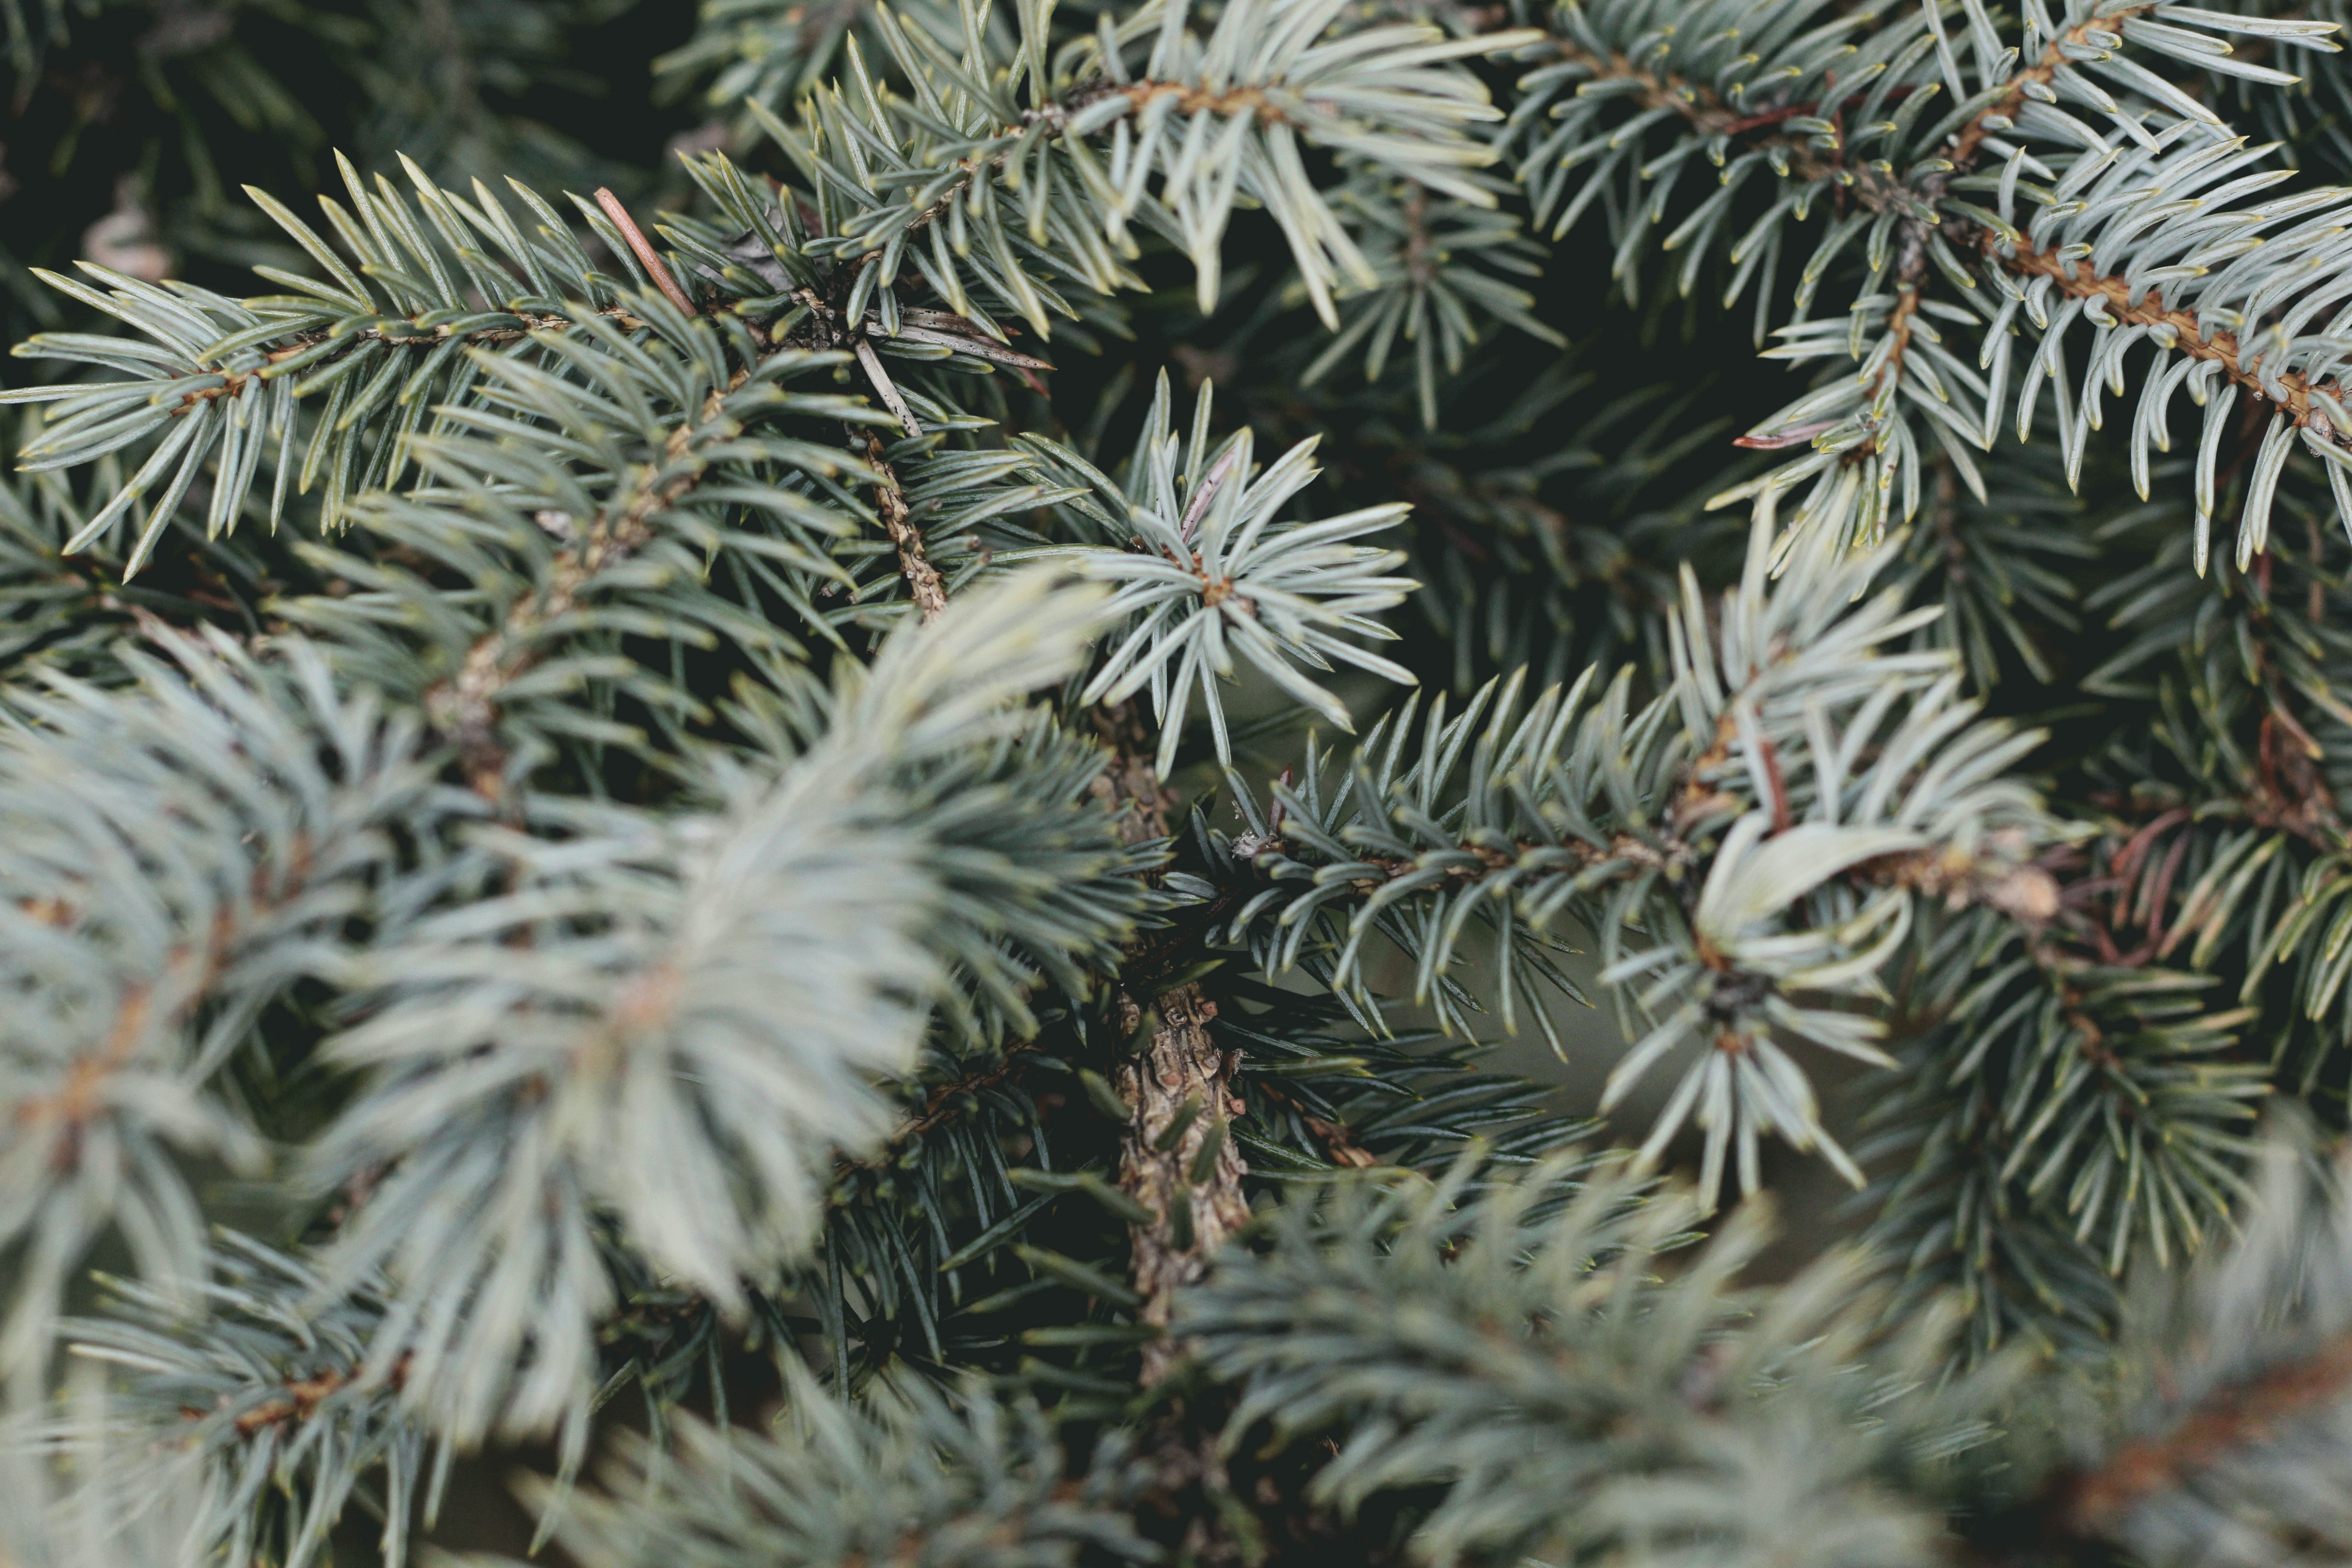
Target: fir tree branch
x=2063, y=48
x=909, y=1474
x=621, y=982
x=891, y=501
x=2304, y=402
x=880, y=177
x=465, y=706
x=1177, y=1157
x=762, y=991
x=2233, y=1415
x=1737, y=858
x=262, y=1399
x=1699, y=106
x=2222, y=1440
x=1207, y=572
x=824, y=321
x=1568, y=1395
x=179, y=853
x=421, y=336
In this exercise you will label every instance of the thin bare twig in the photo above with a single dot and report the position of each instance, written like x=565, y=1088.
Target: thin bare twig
x=887, y=389
x=891, y=501
x=1199, y=507
x=645, y=254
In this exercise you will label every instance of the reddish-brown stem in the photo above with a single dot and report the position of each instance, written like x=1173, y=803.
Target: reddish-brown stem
x=2298, y=402
x=646, y=256
x=2237, y=1416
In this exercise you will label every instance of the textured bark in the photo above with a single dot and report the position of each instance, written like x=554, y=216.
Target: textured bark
x=1179, y=1069
x=930, y=594
x=1194, y=1196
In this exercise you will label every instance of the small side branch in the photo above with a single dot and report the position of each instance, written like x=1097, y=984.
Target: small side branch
x=464, y=708
x=891, y=501
x=2092, y=1503
x=2296, y=396
x=647, y=257
x=2067, y=45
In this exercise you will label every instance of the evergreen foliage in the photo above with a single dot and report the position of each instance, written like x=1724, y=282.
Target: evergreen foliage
x=849, y=810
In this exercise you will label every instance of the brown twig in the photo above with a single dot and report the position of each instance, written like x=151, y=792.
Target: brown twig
x=646, y=256
x=303, y=1396
x=1769, y=755
x=891, y=501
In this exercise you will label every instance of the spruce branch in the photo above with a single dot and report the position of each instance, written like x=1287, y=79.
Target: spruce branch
x=181, y=851
x=991, y=128
x=1522, y=1355
x=1770, y=856
x=1925, y=235
x=841, y=318
x=2075, y=1113
x=110, y=1508
x=2230, y=1417
x=221, y=379
x=1177, y=1155
x=773, y=53
x=1205, y=570
x=946, y=1481
x=693, y=445
x=2227, y=858
x=464, y=707
x=1044, y=895
x=533, y=1057
x=1436, y=259
x=2228, y=1428
x=261, y=1398
x=565, y=554
x=1321, y=1101
x=673, y=900
x=1525, y=1358
x=2183, y=234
